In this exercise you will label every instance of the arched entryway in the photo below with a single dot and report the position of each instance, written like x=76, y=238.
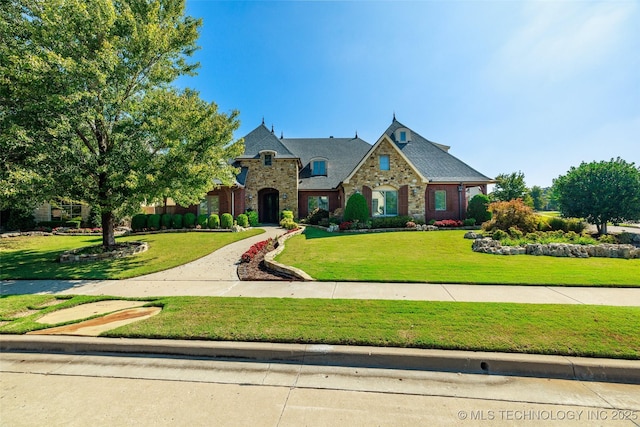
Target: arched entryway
x=268, y=205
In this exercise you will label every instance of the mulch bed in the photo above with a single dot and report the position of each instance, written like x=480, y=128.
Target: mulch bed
x=256, y=270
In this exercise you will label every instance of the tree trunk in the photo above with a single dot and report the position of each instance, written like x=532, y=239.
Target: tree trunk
x=603, y=228
x=108, y=237
x=164, y=210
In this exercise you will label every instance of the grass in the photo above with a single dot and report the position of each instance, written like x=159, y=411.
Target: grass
x=35, y=257
x=576, y=330
x=442, y=257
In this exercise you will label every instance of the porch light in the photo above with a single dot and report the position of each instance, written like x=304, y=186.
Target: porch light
x=284, y=196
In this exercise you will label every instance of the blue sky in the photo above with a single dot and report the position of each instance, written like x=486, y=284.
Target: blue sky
x=535, y=87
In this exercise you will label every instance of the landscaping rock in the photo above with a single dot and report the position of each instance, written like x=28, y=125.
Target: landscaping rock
x=472, y=235
x=566, y=250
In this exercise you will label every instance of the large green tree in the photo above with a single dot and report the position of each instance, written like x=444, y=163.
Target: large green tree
x=600, y=192
x=538, y=198
x=510, y=187
x=87, y=111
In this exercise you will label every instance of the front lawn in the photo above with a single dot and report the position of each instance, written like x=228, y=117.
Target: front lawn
x=442, y=257
x=35, y=257
x=572, y=330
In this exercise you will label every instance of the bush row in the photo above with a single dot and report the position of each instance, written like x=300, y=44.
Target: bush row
x=514, y=214
x=141, y=222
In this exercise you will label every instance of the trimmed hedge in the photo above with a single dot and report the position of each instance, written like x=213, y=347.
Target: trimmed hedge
x=203, y=220
x=56, y=224
x=139, y=222
x=214, y=221
x=242, y=220
x=177, y=221
x=153, y=222
x=357, y=209
x=253, y=218
x=166, y=220
x=189, y=220
x=226, y=221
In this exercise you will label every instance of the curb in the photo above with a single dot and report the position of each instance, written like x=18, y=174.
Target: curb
x=510, y=364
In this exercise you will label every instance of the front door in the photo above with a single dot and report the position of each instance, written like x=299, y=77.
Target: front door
x=269, y=206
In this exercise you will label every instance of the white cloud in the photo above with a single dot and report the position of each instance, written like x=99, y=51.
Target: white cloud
x=558, y=39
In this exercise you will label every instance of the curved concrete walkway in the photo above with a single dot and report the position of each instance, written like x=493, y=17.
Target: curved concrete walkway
x=219, y=265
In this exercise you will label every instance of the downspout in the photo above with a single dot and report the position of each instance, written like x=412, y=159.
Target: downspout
x=233, y=202
x=460, y=190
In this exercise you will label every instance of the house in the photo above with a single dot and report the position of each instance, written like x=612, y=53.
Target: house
x=403, y=173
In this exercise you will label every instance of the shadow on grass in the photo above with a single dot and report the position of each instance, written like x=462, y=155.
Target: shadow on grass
x=316, y=233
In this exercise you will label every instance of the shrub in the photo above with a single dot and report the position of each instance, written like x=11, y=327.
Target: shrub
x=607, y=238
x=345, y=225
x=515, y=233
x=139, y=222
x=478, y=208
x=255, y=250
x=153, y=222
x=317, y=215
x=242, y=220
x=624, y=238
x=177, y=221
x=189, y=220
x=448, y=223
x=226, y=221
x=288, y=224
x=165, y=220
x=557, y=223
x=391, y=222
x=20, y=219
x=95, y=216
x=513, y=213
x=543, y=223
x=253, y=218
x=500, y=235
x=576, y=225
x=356, y=209
x=203, y=220
x=214, y=221
x=410, y=224
x=286, y=214
x=469, y=222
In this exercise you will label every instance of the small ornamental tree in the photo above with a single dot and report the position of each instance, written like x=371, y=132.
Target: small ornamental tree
x=513, y=213
x=356, y=209
x=600, y=192
x=479, y=208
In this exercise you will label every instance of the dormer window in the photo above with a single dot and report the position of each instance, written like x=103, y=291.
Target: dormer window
x=402, y=135
x=267, y=157
x=319, y=168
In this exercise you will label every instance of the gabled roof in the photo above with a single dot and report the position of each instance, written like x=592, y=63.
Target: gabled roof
x=341, y=154
x=432, y=160
x=262, y=139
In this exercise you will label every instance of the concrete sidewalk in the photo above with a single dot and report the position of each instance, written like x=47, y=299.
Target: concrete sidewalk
x=331, y=290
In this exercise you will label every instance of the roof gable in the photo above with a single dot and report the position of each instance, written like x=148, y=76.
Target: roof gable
x=262, y=139
x=433, y=160
x=382, y=140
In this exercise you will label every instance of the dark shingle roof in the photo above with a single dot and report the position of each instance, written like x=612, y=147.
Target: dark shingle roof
x=342, y=155
x=432, y=160
x=261, y=139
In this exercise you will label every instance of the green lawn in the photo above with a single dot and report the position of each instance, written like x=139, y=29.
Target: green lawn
x=576, y=330
x=442, y=257
x=35, y=257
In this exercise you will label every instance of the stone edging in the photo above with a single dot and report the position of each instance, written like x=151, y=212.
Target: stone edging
x=71, y=256
x=604, y=250
x=286, y=269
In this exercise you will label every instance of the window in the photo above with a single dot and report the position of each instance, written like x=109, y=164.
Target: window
x=210, y=205
x=403, y=136
x=268, y=159
x=314, y=202
x=63, y=211
x=319, y=167
x=384, y=203
x=441, y=200
x=384, y=163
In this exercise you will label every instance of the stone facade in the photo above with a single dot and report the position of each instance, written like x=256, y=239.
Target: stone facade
x=400, y=173
x=282, y=176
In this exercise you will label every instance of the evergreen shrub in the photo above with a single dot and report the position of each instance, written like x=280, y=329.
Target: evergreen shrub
x=317, y=215
x=242, y=220
x=203, y=220
x=253, y=218
x=165, y=221
x=479, y=208
x=153, y=222
x=177, y=221
x=139, y=222
x=226, y=221
x=357, y=209
x=214, y=221
x=189, y=220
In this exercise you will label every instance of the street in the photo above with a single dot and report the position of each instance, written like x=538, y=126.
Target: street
x=108, y=389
